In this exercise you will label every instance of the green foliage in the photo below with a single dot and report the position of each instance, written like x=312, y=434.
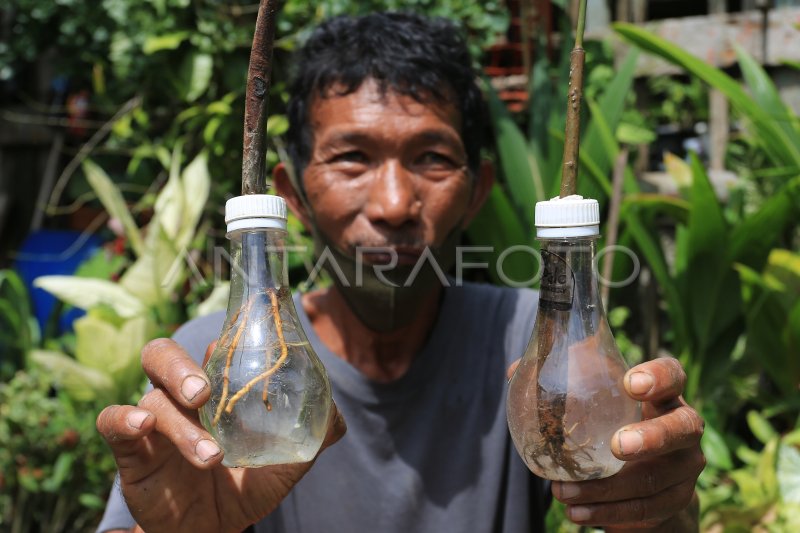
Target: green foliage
x=19, y=331
x=123, y=316
x=760, y=495
x=55, y=468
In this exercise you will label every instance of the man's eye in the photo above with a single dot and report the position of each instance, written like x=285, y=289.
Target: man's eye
x=354, y=156
x=436, y=160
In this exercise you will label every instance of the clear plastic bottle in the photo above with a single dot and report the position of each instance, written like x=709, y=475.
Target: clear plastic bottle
x=270, y=394
x=566, y=398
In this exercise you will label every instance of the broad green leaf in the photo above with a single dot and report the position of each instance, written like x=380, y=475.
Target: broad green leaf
x=715, y=449
x=168, y=41
x=196, y=182
x=633, y=134
x=676, y=208
x=611, y=104
x=80, y=382
x=515, y=160
x=712, y=288
x=115, y=351
x=112, y=200
x=196, y=74
x=770, y=134
x=789, y=473
x=760, y=427
x=752, y=239
x=92, y=501
x=86, y=293
x=497, y=226
x=766, y=95
x=277, y=125
x=655, y=259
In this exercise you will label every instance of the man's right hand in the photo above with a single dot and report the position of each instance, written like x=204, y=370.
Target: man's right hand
x=169, y=466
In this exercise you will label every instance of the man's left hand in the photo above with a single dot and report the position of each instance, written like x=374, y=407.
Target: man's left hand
x=655, y=488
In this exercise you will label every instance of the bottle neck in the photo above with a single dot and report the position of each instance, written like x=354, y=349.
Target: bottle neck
x=258, y=259
x=569, y=276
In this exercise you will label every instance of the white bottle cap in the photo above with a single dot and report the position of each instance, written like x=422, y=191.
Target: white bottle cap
x=252, y=211
x=571, y=216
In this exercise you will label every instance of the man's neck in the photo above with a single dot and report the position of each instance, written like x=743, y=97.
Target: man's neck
x=381, y=357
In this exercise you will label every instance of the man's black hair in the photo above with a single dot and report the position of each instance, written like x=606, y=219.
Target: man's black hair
x=406, y=53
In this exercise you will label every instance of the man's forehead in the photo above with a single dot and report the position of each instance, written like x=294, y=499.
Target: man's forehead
x=336, y=105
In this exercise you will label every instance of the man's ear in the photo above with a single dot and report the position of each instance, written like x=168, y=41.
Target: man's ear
x=285, y=188
x=480, y=191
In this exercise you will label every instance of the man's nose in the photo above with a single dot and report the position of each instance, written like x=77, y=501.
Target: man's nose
x=392, y=197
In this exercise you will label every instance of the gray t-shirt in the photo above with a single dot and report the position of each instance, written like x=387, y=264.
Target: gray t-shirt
x=429, y=452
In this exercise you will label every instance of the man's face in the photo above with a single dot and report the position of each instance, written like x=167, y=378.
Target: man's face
x=387, y=171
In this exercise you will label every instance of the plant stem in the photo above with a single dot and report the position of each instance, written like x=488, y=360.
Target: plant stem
x=569, y=172
x=257, y=100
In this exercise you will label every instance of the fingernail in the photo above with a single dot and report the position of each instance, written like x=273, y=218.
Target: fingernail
x=192, y=386
x=640, y=383
x=206, y=450
x=579, y=513
x=568, y=490
x=136, y=419
x=630, y=442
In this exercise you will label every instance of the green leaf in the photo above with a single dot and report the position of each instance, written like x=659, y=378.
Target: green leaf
x=594, y=147
x=81, y=382
x=766, y=95
x=752, y=239
x=715, y=449
x=789, y=473
x=760, y=427
x=651, y=203
x=712, y=289
x=515, y=161
x=632, y=134
x=85, y=293
x=498, y=227
x=112, y=200
x=772, y=136
x=61, y=471
x=655, y=259
x=92, y=501
x=113, y=350
x=168, y=41
x=196, y=75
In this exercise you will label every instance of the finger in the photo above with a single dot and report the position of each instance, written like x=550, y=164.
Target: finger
x=124, y=425
x=680, y=428
x=637, y=479
x=182, y=428
x=659, y=380
x=169, y=367
x=512, y=369
x=636, y=512
x=124, y=428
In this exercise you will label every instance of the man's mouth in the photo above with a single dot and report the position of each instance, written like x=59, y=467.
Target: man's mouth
x=389, y=255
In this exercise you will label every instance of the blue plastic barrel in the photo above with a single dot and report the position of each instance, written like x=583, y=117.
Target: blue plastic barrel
x=53, y=252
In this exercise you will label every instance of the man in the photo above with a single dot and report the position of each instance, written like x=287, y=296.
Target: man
x=385, y=135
